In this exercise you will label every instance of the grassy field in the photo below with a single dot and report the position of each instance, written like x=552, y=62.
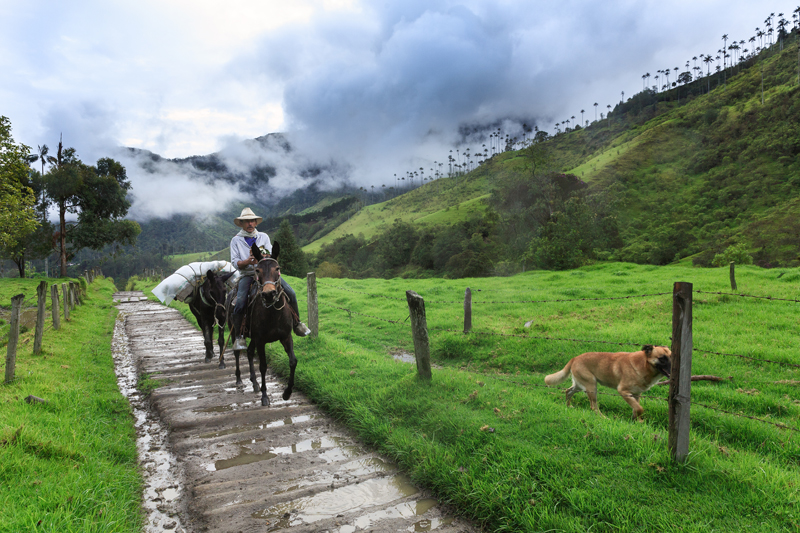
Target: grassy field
x=68, y=465
x=489, y=438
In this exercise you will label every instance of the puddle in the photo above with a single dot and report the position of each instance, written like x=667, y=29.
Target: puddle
x=353, y=469
x=161, y=493
x=405, y=357
x=255, y=427
x=329, y=504
x=401, y=511
x=189, y=399
x=223, y=408
x=241, y=459
x=246, y=456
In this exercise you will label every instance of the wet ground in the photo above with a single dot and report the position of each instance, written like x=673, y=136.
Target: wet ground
x=215, y=460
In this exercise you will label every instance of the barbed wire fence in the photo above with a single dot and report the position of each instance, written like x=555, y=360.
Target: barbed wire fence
x=676, y=315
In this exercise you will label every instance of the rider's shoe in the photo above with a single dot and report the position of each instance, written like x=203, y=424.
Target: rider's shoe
x=301, y=330
x=240, y=343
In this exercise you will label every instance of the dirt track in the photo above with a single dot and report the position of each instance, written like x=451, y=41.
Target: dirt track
x=215, y=460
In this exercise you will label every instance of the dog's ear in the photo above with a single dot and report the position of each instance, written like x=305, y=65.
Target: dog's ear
x=647, y=349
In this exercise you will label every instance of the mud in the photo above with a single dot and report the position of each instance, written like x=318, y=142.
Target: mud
x=215, y=460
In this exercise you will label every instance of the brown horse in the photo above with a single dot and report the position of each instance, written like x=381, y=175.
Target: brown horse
x=269, y=319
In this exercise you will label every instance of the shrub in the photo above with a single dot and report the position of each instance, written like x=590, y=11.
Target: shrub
x=737, y=253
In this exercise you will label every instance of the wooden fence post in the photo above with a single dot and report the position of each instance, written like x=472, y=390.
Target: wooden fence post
x=41, y=294
x=76, y=292
x=13, y=337
x=313, y=309
x=681, y=375
x=54, y=310
x=467, y=310
x=65, y=294
x=733, y=276
x=419, y=329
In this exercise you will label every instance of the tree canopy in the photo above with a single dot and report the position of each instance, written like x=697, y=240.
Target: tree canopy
x=17, y=215
x=98, y=195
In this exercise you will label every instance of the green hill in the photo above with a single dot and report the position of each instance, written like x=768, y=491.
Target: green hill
x=704, y=168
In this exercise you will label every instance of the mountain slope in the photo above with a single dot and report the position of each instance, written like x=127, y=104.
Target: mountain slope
x=689, y=172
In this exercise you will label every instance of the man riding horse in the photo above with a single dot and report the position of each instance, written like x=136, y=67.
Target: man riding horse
x=242, y=259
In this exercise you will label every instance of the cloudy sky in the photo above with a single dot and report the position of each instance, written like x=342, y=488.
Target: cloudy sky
x=378, y=86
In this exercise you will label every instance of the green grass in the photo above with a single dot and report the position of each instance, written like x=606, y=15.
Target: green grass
x=489, y=438
x=178, y=260
x=70, y=464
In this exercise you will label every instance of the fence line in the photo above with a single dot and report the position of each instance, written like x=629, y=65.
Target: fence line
x=795, y=300
x=351, y=312
x=780, y=425
x=678, y=436
x=586, y=341
x=362, y=293
x=498, y=302
x=554, y=301
x=783, y=363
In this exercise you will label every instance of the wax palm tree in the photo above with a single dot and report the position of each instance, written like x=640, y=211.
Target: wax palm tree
x=595, y=111
x=724, y=46
x=582, y=116
x=42, y=152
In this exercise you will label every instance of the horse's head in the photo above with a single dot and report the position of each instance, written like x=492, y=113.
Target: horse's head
x=215, y=292
x=268, y=274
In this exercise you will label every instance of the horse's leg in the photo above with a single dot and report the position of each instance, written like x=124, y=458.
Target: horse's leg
x=208, y=336
x=221, y=343
x=262, y=366
x=250, y=349
x=288, y=345
x=238, y=372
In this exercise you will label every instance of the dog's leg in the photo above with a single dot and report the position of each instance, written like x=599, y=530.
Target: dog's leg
x=591, y=392
x=570, y=393
x=633, y=401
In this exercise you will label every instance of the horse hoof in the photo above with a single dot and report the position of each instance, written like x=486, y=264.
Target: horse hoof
x=221, y=365
x=208, y=358
x=287, y=394
x=239, y=383
x=264, y=401
x=256, y=389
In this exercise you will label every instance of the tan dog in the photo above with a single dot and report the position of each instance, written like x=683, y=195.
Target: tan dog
x=631, y=373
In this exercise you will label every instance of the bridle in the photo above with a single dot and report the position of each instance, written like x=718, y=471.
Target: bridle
x=216, y=304
x=278, y=288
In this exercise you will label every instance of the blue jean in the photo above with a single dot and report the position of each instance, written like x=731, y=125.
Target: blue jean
x=244, y=288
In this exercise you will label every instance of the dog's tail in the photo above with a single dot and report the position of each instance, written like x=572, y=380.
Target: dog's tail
x=561, y=375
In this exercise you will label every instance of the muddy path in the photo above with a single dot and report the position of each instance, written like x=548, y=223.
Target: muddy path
x=215, y=460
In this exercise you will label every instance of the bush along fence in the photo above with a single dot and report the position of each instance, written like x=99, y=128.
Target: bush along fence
x=679, y=397
x=68, y=299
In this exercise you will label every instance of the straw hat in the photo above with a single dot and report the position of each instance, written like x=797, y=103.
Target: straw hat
x=247, y=214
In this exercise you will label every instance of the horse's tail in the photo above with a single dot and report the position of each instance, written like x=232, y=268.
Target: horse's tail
x=561, y=375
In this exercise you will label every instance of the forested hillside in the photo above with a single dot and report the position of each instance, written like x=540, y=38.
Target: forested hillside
x=706, y=171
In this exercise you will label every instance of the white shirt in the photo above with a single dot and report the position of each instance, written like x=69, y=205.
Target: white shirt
x=241, y=251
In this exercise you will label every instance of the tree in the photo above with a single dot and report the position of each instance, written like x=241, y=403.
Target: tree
x=17, y=215
x=98, y=195
x=292, y=258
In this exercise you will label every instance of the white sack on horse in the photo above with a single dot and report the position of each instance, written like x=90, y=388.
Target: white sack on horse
x=182, y=283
